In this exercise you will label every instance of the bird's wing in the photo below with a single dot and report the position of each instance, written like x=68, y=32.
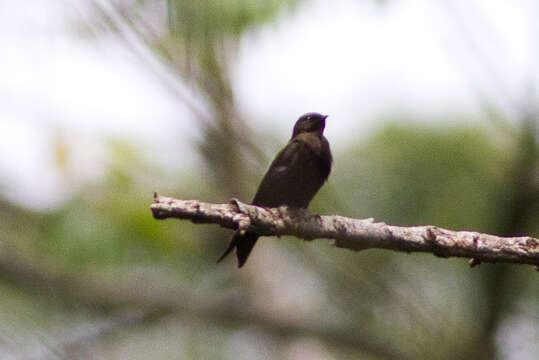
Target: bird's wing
x=284, y=173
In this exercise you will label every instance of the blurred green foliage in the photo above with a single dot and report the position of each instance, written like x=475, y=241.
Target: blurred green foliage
x=206, y=18
x=399, y=306
x=450, y=176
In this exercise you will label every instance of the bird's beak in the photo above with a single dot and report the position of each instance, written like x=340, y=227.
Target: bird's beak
x=323, y=122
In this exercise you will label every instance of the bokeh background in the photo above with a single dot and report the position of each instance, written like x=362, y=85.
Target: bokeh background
x=433, y=120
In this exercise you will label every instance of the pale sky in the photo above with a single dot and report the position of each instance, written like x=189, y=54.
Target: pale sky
x=351, y=59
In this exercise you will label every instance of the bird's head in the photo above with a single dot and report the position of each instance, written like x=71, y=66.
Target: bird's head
x=310, y=122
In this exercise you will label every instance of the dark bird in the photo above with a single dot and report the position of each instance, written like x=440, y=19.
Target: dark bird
x=293, y=178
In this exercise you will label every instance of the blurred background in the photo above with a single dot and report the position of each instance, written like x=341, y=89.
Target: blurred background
x=433, y=120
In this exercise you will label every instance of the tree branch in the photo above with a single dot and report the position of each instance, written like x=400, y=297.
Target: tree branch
x=354, y=234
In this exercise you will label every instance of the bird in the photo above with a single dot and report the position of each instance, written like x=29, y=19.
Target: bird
x=294, y=177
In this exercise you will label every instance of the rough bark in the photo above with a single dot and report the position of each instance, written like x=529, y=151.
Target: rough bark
x=354, y=234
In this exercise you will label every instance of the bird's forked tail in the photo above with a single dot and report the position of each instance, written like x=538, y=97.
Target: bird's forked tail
x=243, y=243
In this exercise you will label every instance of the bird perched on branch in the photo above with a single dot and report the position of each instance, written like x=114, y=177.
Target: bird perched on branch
x=293, y=178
